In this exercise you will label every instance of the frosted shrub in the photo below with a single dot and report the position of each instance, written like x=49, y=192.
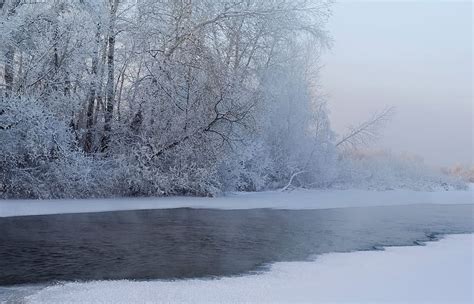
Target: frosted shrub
x=385, y=171
x=37, y=157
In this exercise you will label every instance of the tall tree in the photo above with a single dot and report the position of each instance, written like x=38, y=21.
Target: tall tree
x=110, y=92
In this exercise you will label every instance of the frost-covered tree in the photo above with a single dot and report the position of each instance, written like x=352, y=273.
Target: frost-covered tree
x=150, y=97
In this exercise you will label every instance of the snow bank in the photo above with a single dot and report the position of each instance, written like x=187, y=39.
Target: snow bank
x=298, y=199
x=438, y=272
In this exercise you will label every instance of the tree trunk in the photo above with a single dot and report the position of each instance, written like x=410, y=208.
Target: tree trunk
x=88, y=142
x=109, y=106
x=8, y=70
x=10, y=53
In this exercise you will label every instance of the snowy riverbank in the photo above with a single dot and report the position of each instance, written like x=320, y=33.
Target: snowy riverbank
x=298, y=199
x=440, y=272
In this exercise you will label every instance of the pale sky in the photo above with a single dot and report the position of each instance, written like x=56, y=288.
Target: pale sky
x=414, y=55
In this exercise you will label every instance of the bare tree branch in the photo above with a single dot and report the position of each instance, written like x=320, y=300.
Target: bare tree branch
x=367, y=131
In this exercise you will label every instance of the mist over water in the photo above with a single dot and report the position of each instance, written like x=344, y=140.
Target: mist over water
x=188, y=243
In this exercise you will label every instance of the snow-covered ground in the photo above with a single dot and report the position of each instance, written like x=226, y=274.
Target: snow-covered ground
x=440, y=272
x=298, y=199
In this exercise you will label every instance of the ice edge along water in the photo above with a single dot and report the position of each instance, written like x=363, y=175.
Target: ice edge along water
x=298, y=199
x=440, y=272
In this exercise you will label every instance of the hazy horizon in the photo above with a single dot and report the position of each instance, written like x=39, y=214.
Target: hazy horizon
x=414, y=55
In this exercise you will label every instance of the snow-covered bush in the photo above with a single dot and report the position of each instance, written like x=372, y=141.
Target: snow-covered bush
x=247, y=169
x=171, y=173
x=38, y=158
x=31, y=137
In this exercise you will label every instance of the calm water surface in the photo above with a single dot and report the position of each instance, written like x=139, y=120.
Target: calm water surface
x=189, y=243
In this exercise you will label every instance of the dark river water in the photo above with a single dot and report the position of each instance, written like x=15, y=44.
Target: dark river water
x=189, y=243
